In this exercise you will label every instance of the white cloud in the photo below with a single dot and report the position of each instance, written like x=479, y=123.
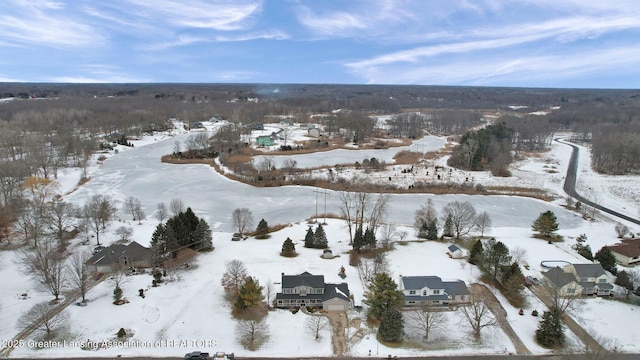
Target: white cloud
x=217, y=15
x=46, y=24
x=99, y=73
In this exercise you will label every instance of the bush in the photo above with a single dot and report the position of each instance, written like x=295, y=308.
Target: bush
x=122, y=333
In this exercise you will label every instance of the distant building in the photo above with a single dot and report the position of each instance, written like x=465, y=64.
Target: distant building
x=264, y=140
x=627, y=252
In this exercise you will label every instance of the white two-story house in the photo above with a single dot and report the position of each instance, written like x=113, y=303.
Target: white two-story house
x=432, y=291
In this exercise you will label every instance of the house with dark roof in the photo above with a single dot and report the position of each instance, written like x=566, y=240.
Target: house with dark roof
x=119, y=256
x=455, y=252
x=627, y=252
x=310, y=290
x=432, y=291
x=579, y=279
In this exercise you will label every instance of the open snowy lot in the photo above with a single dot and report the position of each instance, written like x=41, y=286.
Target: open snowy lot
x=190, y=313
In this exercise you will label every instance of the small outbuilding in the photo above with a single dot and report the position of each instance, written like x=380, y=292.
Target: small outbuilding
x=455, y=252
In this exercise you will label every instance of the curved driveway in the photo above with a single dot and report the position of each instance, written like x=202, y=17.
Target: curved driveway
x=570, y=185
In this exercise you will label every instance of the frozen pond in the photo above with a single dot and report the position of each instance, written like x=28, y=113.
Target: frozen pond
x=345, y=156
x=139, y=173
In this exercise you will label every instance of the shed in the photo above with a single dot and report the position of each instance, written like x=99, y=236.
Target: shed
x=455, y=252
x=264, y=140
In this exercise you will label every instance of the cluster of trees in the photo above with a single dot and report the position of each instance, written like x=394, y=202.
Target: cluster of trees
x=459, y=219
x=317, y=239
x=360, y=208
x=489, y=147
x=249, y=304
x=502, y=266
x=384, y=300
x=183, y=230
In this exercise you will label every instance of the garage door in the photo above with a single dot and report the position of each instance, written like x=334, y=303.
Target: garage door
x=334, y=307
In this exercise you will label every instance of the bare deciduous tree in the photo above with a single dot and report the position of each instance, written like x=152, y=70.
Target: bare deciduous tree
x=347, y=209
x=43, y=317
x=78, y=272
x=242, y=219
x=234, y=277
x=427, y=320
x=378, y=211
x=463, y=216
x=98, y=212
x=621, y=230
x=124, y=232
x=316, y=324
x=269, y=291
x=477, y=313
x=45, y=264
x=60, y=217
x=251, y=330
x=388, y=232
x=425, y=214
x=483, y=222
x=176, y=206
x=162, y=213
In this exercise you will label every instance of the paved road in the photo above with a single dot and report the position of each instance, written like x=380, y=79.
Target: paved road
x=570, y=185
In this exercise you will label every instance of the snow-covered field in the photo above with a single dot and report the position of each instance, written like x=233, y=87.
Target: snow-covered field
x=191, y=313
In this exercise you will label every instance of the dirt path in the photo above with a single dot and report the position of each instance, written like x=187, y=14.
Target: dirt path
x=339, y=323
x=501, y=317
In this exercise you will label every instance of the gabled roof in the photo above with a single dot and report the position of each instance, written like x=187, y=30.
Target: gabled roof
x=292, y=281
x=559, y=277
x=420, y=282
x=589, y=270
x=340, y=291
x=457, y=287
x=627, y=247
x=112, y=254
x=453, y=248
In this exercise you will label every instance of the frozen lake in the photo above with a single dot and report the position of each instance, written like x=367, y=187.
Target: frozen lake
x=139, y=173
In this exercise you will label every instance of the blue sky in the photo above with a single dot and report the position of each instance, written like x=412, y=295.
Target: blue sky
x=537, y=43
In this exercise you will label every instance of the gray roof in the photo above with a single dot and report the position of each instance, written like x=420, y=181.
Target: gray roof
x=454, y=248
x=457, y=287
x=340, y=291
x=292, y=281
x=420, y=282
x=559, y=277
x=112, y=254
x=589, y=270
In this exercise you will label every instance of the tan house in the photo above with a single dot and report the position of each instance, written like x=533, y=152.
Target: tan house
x=627, y=252
x=579, y=279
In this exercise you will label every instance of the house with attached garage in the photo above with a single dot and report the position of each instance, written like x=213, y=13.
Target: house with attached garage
x=310, y=290
x=627, y=252
x=432, y=291
x=579, y=279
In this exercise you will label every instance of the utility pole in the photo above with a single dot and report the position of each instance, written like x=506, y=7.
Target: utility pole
x=325, y=192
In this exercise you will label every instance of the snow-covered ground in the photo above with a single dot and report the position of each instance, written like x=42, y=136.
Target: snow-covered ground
x=191, y=313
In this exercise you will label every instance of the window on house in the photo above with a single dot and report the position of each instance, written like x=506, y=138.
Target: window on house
x=412, y=292
x=424, y=292
x=571, y=291
x=602, y=280
x=302, y=291
x=436, y=292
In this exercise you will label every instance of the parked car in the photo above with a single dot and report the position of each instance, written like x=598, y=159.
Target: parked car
x=196, y=355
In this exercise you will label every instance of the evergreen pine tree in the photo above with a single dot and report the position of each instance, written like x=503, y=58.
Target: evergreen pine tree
x=309, y=239
x=117, y=294
x=606, y=258
x=358, y=239
x=448, y=227
x=288, y=248
x=249, y=295
x=262, y=229
x=546, y=224
x=477, y=253
x=382, y=296
x=159, y=240
x=369, y=238
x=432, y=229
x=320, y=238
x=202, y=235
x=550, y=333
x=391, y=326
